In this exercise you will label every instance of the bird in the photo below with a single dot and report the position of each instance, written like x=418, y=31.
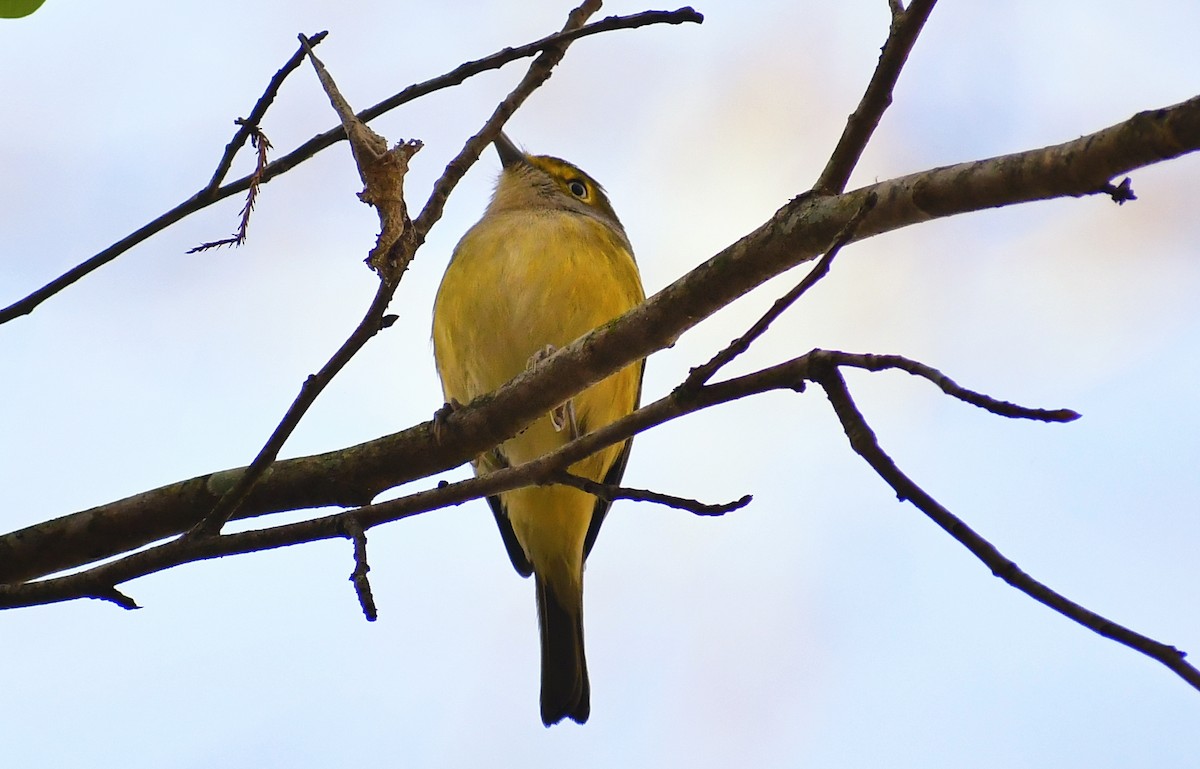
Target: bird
x=548, y=262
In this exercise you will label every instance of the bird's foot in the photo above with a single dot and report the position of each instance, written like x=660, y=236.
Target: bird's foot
x=562, y=416
x=441, y=415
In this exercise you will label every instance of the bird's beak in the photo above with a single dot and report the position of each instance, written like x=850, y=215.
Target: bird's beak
x=508, y=152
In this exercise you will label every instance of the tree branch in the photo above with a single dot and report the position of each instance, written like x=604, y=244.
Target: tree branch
x=702, y=374
x=209, y=195
x=863, y=441
x=795, y=234
x=612, y=493
x=789, y=376
x=1001, y=408
x=249, y=127
x=902, y=35
x=262, y=145
x=362, y=586
x=383, y=172
x=205, y=197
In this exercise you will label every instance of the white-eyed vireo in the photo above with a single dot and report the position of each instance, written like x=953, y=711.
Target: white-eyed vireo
x=548, y=262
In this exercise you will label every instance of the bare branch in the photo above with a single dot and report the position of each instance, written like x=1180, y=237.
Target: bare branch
x=902, y=35
x=382, y=172
x=207, y=196
x=259, y=141
x=864, y=443
x=612, y=493
x=362, y=586
x=947, y=385
x=462, y=72
x=249, y=127
x=112, y=595
x=790, y=375
x=796, y=233
x=702, y=374
x=538, y=73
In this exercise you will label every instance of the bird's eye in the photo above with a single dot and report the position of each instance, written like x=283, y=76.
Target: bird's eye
x=578, y=188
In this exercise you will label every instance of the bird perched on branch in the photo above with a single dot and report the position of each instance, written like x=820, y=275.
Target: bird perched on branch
x=548, y=262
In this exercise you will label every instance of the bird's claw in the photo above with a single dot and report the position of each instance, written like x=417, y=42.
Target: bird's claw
x=562, y=416
x=441, y=415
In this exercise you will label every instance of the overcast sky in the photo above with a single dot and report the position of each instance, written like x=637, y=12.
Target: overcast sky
x=826, y=625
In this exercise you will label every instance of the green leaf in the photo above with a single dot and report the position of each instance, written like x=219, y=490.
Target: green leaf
x=15, y=9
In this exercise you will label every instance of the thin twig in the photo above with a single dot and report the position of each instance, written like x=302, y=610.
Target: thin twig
x=370, y=152
x=398, y=241
x=207, y=196
x=382, y=171
x=872, y=362
x=248, y=127
x=362, y=585
x=902, y=35
x=112, y=595
x=1120, y=193
x=863, y=441
x=702, y=374
x=262, y=146
x=790, y=375
x=538, y=73
x=797, y=232
x=227, y=506
x=611, y=493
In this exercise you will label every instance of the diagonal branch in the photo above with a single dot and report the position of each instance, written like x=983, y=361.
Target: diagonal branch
x=383, y=172
x=947, y=385
x=249, y=126
x=702, y=374
x=795, y=234
x=206, y=196
x=611, y=493
x=537, y=74
x=790, y=375
x=209, y=195
x=864, y=443
x=902, y=35
x=262, y=145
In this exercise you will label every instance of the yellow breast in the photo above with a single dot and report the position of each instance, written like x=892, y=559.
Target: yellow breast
x=519, y=281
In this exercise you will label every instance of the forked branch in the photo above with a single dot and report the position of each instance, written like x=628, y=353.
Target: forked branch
x=863, y=441
x=382, y=171
x=902, y=35
x=798, y=232
x=790, y=375
x=214, y=191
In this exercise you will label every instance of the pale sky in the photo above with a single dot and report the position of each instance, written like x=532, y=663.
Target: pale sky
x=826, y=625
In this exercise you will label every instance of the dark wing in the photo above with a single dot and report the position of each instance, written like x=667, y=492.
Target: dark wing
x=612, y=478
x=490, y=462
x=516, y=553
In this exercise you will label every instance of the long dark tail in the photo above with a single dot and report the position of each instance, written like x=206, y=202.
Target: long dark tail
x=565, y=690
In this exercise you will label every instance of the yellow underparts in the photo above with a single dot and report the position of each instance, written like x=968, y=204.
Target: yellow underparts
x=521, y=280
